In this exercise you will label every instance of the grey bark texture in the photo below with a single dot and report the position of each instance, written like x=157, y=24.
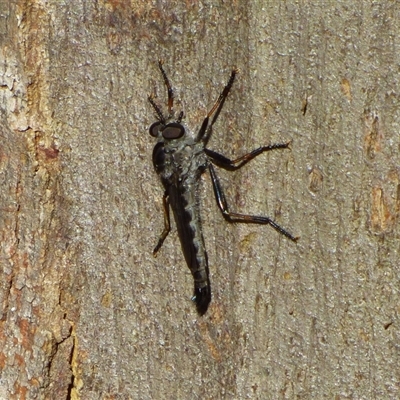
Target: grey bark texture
x=88, y=313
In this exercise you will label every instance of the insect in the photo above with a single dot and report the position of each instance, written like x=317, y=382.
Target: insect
x=179, y=159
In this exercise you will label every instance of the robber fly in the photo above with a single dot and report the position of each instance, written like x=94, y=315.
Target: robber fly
x=179, y=159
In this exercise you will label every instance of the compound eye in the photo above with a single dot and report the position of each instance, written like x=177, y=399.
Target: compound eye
x=173, y=131
x=155, y=128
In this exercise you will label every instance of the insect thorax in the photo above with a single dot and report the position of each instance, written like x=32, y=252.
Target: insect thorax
x=184, y=159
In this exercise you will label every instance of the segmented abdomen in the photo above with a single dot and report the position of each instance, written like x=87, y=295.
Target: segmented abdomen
x=182, y=198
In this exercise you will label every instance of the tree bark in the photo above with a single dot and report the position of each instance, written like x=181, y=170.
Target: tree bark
x=88, y=313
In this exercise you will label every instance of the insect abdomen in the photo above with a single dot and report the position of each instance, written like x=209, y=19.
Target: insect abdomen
x=188, y=223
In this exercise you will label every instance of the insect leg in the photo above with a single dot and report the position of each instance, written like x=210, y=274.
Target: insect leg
x=234, y=217
x=169, y=87
x=167, y=225
x=157, y=109
x=233, y=165
x=205, y=130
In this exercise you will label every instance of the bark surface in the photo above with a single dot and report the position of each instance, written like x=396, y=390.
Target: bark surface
x=86, y=312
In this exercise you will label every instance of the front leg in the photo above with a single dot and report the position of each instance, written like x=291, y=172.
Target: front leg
x=234, y=217
x=232, y=165
x=167, y=224
x=206, y=130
